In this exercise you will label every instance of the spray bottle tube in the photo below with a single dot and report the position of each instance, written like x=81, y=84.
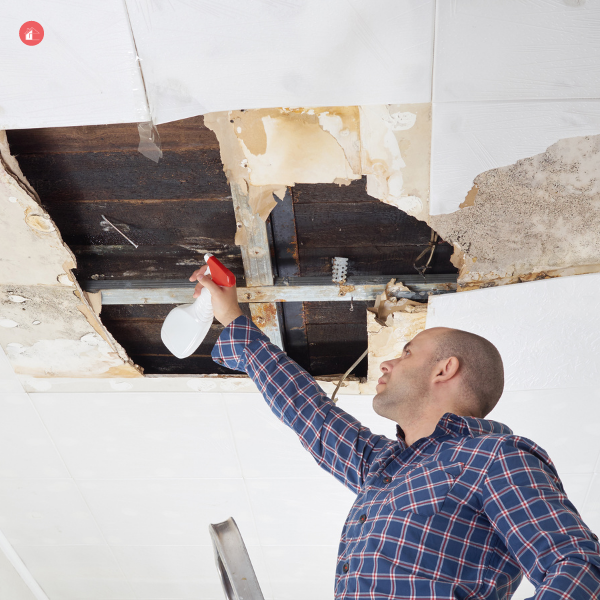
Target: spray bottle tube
x=186, y=326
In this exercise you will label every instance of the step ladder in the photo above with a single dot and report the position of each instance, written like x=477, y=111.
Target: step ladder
x=233, y=562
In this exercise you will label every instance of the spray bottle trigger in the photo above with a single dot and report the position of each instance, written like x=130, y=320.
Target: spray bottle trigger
x=219, y=273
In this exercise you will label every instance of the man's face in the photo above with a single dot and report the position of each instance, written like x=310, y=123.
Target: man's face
x=404, y=383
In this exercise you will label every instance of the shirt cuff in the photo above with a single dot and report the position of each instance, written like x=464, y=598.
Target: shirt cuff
x=229, y=349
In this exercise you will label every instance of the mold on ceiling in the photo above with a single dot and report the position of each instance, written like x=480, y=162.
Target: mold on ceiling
x=537, y=218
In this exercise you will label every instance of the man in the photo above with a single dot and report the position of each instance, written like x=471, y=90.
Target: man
x=457, y=506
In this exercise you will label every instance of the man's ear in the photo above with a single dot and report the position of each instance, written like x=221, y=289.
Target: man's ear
x=446, y=369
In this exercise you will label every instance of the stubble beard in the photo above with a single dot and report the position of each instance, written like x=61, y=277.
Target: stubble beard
x=404, y=399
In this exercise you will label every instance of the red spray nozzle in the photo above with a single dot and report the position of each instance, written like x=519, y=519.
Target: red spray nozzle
x=219, y=274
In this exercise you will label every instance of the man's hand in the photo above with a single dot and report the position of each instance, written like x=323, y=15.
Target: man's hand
x=224, y=299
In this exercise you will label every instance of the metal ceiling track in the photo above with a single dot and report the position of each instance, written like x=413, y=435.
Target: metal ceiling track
x=284, y=289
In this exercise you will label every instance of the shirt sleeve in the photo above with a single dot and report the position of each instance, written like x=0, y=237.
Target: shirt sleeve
x=336, y=440
x=526, y=503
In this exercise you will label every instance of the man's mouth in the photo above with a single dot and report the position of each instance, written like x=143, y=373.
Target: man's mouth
x=381, y=381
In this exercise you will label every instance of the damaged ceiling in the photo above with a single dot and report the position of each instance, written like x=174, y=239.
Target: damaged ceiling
x=363, y=180
x=327, y=182
x=180, y=208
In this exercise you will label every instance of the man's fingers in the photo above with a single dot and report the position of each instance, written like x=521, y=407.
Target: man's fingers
x=194, y=276
x=207, y=282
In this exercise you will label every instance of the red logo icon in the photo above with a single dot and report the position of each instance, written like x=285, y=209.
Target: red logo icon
x=31, y=33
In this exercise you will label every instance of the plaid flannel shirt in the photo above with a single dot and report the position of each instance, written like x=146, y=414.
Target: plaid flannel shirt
x=459, y=514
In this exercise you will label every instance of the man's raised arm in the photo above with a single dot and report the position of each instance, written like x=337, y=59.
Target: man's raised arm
x=336, y=440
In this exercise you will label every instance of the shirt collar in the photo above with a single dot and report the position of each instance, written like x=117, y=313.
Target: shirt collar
x=451, y=424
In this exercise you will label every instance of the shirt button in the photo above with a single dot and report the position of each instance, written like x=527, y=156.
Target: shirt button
x=595, y=536
x=387, y=479
x=345, y=567
x=362, y=518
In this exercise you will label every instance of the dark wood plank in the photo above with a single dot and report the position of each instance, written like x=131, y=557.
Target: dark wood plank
x=358, y=224
x=146, y=312
x=376, y=259
x=177, y=135
x=167, y=364
x=324, y=313
x=319, y=193
x=338, y=365
x=85, y=176
x=150, y=263
x=186, y=222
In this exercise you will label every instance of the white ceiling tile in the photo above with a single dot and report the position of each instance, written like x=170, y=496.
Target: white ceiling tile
x=6, y=371
x=298, y=511
x=10, y=386
x=257, y=432
x=547, y=331
x=45, y=512
x=525, y=591
x=178, y=572
x=515, y=50
x=12, y=584
x=203, y=57
x=83, y=72
x=577, y=486
x=361, y=408
x=469, y=138
x=553, y=420
x=300, y=572
x=167, y=511
x=139, y=435
x=591, y=508
x=26, y=449
x=76, y=572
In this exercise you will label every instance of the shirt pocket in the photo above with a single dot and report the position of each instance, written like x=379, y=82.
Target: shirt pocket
x=424, y=490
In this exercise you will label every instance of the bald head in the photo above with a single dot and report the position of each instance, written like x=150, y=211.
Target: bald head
x=480, y=364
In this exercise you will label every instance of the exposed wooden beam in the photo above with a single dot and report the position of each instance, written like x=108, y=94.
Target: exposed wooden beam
x=287, y=261
x=256, y=257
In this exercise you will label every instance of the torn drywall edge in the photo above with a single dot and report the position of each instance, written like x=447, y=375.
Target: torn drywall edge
x=224, y=384
x=537, y=218
x=396, y=155
x=386, y=342
x=391, y=144
x=46, y=332
x=45, y=270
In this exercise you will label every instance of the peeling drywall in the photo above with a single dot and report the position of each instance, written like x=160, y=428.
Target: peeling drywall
x=48, y=328
x=391, y=323
x=265, y=150
x=387, y=341
x=537, y=218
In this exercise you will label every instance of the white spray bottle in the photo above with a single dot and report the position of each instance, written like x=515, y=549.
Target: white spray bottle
x=186, y=326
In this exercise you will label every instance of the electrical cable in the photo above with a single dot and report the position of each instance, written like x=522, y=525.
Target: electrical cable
x=432, y=244
x=346, y=375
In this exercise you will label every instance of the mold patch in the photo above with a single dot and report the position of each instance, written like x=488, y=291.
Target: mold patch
x=535, y=219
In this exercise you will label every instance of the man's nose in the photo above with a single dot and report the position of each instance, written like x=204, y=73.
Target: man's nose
x=385, y=366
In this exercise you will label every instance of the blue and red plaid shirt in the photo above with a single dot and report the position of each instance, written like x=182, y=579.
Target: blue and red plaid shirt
x=461, y=513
